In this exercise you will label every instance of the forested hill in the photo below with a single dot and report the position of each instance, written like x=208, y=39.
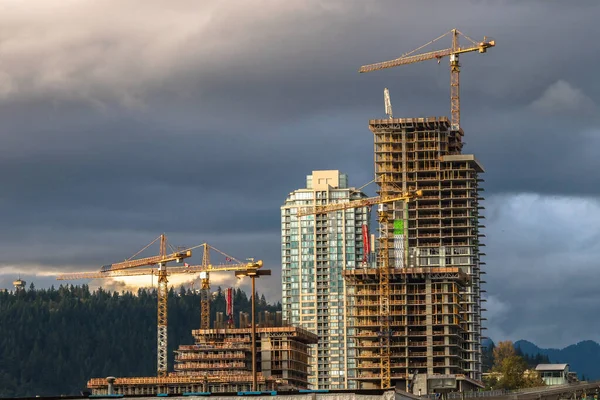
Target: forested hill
x=52, y=341
x=582, y=357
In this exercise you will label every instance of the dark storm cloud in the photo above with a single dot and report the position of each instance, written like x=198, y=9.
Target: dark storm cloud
x=197, y=119
x=542, y=262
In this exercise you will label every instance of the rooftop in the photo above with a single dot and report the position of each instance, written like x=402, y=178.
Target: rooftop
x=551, y=367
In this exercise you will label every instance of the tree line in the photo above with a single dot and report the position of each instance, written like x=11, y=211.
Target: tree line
x=52, y=341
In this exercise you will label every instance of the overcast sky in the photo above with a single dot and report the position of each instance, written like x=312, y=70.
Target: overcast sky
x=122, y=120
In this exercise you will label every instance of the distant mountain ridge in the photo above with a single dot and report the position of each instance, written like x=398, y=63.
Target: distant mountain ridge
x=583, y=357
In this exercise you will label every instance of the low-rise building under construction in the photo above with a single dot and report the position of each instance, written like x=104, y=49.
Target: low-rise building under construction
x=220, y=360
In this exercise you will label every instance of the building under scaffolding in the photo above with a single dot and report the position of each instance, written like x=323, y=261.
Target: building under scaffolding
x=435, y=303
x=220, y=360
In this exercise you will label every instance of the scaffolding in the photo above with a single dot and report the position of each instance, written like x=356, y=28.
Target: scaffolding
x=435, y=286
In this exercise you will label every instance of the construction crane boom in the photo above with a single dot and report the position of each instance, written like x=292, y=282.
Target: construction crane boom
x=452, y=52
x=368, y=202
x=154, y=260
x=192, y=269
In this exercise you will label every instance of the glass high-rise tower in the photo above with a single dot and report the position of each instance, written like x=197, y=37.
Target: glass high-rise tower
x=315, y=250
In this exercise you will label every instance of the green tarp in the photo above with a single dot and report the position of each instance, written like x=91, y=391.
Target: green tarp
x=398, y=227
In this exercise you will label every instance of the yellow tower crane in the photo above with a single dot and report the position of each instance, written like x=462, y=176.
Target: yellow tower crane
x=205, y=291
x=452, y=52
x=122, y=269
x=205, y=279
x=129, y=268
x=383, y=261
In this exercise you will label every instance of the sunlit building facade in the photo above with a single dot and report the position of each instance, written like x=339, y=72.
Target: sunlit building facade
x=314, y=252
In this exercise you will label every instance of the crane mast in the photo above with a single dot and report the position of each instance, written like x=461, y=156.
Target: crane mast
x=454, y=84
x=205, y=291
x=162, y=309
x=383, y=257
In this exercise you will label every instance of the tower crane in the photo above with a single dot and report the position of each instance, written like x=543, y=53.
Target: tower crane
x=123, y=269
x=118, y=270
x=452, y=52
x=205, y=279
x=383, y=256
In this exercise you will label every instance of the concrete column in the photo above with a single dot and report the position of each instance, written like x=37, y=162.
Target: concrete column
x=111, y=388
x=265, y=353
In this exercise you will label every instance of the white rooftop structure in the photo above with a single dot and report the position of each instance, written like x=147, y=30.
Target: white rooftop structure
x=554, y=374
x=551, y=367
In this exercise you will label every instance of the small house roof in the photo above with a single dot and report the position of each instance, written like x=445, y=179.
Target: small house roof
x=551, y=367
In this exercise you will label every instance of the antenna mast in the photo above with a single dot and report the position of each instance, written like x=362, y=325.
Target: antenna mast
x=388, y=102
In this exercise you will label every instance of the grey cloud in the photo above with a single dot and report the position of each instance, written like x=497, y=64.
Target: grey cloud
x=561, y=97
x=525, y=151
x=542, y=254
x=93, y=52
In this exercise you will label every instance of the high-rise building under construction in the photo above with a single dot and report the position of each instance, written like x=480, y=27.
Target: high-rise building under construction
x=435, y=287
x=315, y=250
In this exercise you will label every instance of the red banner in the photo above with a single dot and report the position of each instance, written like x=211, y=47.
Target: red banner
x=229, y=299
x=366, y=239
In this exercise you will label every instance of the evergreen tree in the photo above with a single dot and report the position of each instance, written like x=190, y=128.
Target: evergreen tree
x=52, y=341
x=488, y=357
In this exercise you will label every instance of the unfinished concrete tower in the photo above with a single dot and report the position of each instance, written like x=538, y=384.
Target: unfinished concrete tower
x=435, y=286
